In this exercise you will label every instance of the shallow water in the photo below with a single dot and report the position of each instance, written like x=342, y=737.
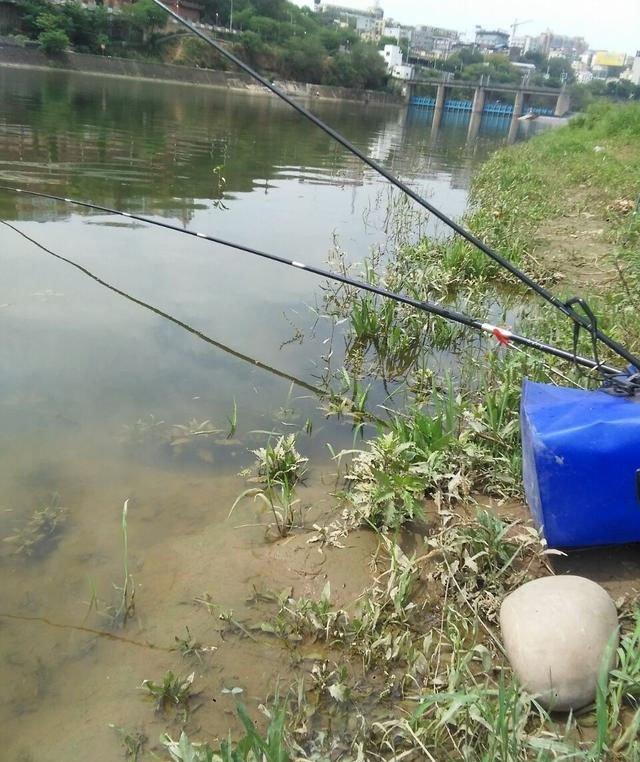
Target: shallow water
x=93, y=382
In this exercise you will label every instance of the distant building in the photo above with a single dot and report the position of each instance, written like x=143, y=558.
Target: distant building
x=583, y=76
x=566, y=47
x=402, y=71
x=433, y=40
x=369, y=24
x=492, y=39
x=551, y=45
x=635, y=69
x=319, y=6
x=398, y=31
x=607, y=65
x=392, y=55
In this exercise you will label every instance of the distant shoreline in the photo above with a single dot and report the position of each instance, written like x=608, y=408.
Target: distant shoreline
x=128, y=68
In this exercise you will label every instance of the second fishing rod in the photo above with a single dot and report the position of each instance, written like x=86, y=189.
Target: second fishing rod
x=503, y=335
x=582, y=321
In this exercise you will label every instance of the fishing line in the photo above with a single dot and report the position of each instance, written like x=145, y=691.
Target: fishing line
x=502, y=335
x=185, y=326
x=316, y=390
x=567, y=310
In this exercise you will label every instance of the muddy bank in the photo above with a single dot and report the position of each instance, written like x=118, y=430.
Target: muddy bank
x=81, y=63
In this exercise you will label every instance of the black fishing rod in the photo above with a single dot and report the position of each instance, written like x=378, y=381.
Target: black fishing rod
x=502, y=335
x=588, y=323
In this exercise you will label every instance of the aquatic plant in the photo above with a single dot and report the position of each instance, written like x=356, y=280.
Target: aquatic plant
x=145, y=431
x=133, y=742
x=233, y=421
x=126, y=606
x=190, y=648
x=253, y=747
x=279, y=469
x=41, y=533
x=184, y=435
x=118, y=613
x=172, y=692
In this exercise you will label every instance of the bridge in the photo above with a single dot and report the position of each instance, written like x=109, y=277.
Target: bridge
x=559, y=101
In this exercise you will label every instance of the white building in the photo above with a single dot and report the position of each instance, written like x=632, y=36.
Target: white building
x=635, y=70
x=392, y=55
x=402, y=71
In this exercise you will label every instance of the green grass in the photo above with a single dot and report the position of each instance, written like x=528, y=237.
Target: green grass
x=253, y=747
x=414, y=669
x=279, y=469
x=173, y=691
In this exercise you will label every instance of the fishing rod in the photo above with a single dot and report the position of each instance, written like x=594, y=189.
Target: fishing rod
x=587, y=322
x=502, y=335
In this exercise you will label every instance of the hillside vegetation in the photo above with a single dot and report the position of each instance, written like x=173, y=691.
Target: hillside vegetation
x=275, y=35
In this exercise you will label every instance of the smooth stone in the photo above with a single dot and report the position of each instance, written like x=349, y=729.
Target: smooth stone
x=556, y=631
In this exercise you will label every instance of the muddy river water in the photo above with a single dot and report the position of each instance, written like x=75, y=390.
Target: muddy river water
x=95, y=387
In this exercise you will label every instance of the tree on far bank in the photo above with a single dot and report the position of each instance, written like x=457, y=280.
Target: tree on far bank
x=147, y=15
x=53, y=41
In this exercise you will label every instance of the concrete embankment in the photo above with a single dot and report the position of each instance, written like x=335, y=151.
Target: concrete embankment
x=81, y=63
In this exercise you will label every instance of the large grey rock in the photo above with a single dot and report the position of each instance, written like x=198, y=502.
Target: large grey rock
x=556, y=631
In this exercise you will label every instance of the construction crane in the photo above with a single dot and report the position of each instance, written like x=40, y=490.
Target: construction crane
x=515, y=25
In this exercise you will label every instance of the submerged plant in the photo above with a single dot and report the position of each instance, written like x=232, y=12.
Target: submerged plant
x=133, y=742
x=184, y=436
x=279, y=469
x=119, y=613
x=189, y=647
x=253, y=747
x=126, y=606
x=173, y=691
x=41, y=533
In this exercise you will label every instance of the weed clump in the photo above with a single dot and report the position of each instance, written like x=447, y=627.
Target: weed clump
x=252, y=747
x=279, y=469
x=42, y=531
x=480, y=560
x=172, y=692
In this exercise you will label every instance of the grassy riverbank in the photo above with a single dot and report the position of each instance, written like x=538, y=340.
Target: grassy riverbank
x=414, y=668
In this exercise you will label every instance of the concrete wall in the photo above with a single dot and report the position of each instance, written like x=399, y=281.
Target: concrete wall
x=126, y=67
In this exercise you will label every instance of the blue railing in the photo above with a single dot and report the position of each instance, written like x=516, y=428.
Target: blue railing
x=495, y=107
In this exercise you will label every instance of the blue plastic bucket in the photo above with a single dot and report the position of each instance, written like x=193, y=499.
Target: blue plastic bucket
x=581, y=464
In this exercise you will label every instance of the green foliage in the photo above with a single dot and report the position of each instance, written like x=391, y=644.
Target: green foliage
x=253, y=747
x=41, y=532
x=53, y=41
x=279, y=469
x=275, y=36
x=172, y=692
x=86, y=29
x=609, y=120
x=497, y=67
x=482, y=558
x=146, y=14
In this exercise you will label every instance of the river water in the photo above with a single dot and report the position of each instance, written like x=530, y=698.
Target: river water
x=96, y=383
